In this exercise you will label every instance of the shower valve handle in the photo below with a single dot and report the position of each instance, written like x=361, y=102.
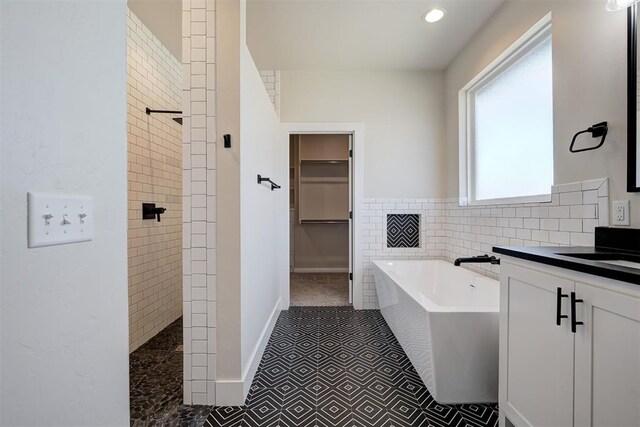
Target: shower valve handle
x=150, y=211
x=159, y=211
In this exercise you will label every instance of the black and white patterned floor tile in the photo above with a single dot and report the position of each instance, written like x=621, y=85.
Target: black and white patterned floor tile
x=338, y=367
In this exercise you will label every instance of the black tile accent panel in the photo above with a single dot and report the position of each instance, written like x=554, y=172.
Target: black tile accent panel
x=403, y=230
x=338, y=367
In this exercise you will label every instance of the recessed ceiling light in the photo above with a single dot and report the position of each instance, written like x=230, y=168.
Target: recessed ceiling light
x=433, y=15
x=615, y=5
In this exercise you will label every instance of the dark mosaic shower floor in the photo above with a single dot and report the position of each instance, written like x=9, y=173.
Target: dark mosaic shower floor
x=334, y=366
x=155, y=383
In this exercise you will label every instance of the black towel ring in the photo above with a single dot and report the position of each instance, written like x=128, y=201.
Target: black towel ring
x=596, y=131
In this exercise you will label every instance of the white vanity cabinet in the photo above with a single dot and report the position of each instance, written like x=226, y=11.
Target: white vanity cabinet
x=607, y=358
x=553, y=376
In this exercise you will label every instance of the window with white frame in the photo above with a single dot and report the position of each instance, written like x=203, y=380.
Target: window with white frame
x=506, y=125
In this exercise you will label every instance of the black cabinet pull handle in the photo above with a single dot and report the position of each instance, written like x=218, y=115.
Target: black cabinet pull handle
x=574, y=322
x=559, y=315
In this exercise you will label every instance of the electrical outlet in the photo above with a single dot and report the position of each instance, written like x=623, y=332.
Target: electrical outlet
x=621, y=212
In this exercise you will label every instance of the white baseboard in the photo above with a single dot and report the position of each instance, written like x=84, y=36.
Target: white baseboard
x=321, y=270
x=258, y=351
x=229, y=393
x=234, y=392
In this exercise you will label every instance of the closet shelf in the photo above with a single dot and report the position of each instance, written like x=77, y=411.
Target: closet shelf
x=324, y=221
x=325, y=180
x=326, y=162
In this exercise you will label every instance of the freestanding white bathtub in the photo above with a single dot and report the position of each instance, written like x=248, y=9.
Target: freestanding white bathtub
x=446, y=319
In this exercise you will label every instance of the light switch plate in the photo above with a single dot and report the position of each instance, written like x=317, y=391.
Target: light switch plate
x=56, y=219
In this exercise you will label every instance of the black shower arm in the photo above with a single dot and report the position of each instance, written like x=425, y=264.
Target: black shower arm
x=149, y=111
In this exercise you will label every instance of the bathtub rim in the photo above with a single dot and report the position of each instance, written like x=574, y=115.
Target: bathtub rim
x=428, y=304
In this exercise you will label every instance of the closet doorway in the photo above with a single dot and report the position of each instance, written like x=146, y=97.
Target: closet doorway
x=320, y=219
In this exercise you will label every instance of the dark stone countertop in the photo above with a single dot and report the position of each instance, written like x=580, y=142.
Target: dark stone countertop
x=558, y=256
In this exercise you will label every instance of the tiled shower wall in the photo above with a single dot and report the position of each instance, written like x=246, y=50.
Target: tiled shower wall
x=449, y=231
x=271, y=80
x=199, y=215
x=154, y=79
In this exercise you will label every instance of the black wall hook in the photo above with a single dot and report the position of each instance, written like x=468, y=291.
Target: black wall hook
x=262, y=179
x=596, y=131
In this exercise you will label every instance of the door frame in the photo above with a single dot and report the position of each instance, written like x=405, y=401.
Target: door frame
x=357, y=130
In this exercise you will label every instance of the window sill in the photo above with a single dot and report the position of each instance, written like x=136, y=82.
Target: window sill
x=541, y=198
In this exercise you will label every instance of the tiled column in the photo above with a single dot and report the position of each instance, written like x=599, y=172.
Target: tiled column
x=199, y=216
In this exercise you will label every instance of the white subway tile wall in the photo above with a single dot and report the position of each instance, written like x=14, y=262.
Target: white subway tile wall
x=449, y=231
x=154, y=155
x=199, y=201
x=271, y=80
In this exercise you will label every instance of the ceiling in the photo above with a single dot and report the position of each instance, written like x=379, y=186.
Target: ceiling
x=328, y=35
x=164, y=19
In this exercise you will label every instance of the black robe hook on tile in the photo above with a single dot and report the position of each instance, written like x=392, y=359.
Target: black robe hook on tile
x=596, y=131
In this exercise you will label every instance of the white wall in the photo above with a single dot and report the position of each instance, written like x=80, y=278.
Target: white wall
x=163, y=17
x=229, y=41
x=247, y=276
x=589, y=56
x=64, y=308
x=403, y=117
x=259, y=127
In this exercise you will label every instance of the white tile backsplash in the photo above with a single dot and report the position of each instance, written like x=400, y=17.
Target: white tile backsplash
x=449, y=231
